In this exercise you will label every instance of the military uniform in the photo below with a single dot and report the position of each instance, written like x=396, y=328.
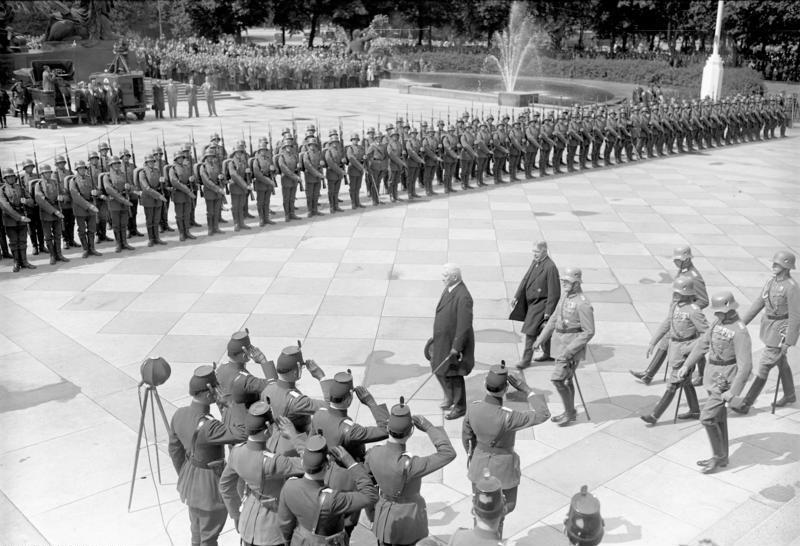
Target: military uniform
x=288, y=164
x=482, y=151
x=236, y=170
x=13, y=201
x=415, y=164
x=128, y=168
x=500, y=151
x=264, y=182
x=148, y=181
x=81, y=191
x=334, y=171
x=311, y=163
x=68, y=223
x=394, y=152
x=48, y=198
x=429, y=148
x=181, y=178
x=196, y=448
x=378, y=163
x=355, y=170
x=214, y=189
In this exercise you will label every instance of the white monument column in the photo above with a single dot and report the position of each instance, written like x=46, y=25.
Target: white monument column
x=712, y=72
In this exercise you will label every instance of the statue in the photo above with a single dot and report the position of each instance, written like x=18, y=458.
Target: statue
x=359, y=44
x=90, y=19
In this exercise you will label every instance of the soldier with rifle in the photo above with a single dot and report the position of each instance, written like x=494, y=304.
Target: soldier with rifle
x=334, y=171
x=415, y=163
x=355, y=169
x=288, y=164
x=61, y=174
x=128, y=168
x=468, y=156
x=429, y=147
x=182, y=179
x=13, y=205
x=236, y=170
x=31, y=210
x=574, y=139
x=515, y=148
x=95, y=169
x=149, y=180
x=116, y=187
x=83, y=192
x=263, y=170
x=210, y=172
x=48, y=197
x=311, y=163
x=394, y=151
x=482, y=152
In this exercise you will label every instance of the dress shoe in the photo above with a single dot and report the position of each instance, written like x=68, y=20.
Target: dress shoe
x=641, y=376
x=544, y=358
x=564, y=419
x=689, y=415
x=455, y=414
x=785, y=400
x=649, y=419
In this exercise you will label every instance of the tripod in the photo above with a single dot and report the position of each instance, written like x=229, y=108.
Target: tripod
x=151, y=394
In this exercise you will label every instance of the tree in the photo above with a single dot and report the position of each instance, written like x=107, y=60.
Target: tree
x=425, y=14
x=482, y=18
x=214, y=18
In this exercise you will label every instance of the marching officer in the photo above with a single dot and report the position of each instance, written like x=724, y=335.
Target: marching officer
x=684, y=324
x=401, y=512
x=213, y=187
x=682, y=258
x=82, y=193
x=117, y=189
x=334, y=173
x=489, y=433
x=48, y=198
x=148, y=180
x=255, y=514
x=309, y=513
x=13, y=202
x=489, y=509
x=356, y=169
x=181, y=179
x=727, y=346
x=196, y=448
x=61, y=174
x=263, y=171
x=339, y=429
x=570, y=328
x=287, y=400
x=780, y=326
x=288, y=164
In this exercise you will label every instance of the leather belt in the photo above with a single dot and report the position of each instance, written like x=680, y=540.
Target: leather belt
x=569, y=330
x=778, y=317
x=494, y=450
x=688, y=338
x=398, y=498
x=728, y=362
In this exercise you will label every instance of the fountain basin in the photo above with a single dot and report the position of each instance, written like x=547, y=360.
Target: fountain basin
x=506, y=98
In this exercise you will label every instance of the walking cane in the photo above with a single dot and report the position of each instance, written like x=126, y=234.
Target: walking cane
x=442, y=363
x=777, y=385
x=580, y=393
x=678, y=405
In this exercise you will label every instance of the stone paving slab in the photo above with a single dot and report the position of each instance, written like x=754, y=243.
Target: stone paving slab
x=359, y=290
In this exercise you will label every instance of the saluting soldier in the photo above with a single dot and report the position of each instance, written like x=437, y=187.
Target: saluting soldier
x=334, y=173
x=490, y=429
x=68, y=224
x=255, y=513
x=728, y=348
x=401, y=516
x=310, y=513
x=287, y=400
x=82, y=192
x=148, y=180
x=339, y=429
x=288, y=164
x=210, y=171
x=355, y=169
x=181, y=179
x=13, y=202
x=489, y=509
x=240, y=351
x=264, y=180
x=116, y=187
x=196, y=447
x=570, y=327
x=48, y=199
x=780, y=326
x=684, y=324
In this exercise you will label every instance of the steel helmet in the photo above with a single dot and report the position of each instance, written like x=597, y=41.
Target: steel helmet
x=94, y=155
x=114, y=159
x=102, y=146
x=684, y=286
x=28, y=163
x=46, y=169
x=126, y=153
x=149, y=158
x=60, y=159
x=80, y=164
x=178, y=155
x=572, y=274
x=785, y=259
x=682, y=253
x=723, y=302
x=8, y=172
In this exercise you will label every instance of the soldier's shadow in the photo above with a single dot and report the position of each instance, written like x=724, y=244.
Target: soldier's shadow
x=748, y=450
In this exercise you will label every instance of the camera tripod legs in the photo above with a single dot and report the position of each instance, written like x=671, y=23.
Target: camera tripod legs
x=151, y=395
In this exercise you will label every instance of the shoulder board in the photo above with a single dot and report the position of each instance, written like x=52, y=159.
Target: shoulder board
x=294, y=394
x=269, y=454
x=509, y=410
x=348, y=422
x=327, y=490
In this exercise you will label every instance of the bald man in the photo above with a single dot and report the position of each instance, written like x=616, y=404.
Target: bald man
x=452, y=347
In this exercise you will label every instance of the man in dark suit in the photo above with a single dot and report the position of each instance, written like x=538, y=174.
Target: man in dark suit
x=453, y=347
x=535, y=300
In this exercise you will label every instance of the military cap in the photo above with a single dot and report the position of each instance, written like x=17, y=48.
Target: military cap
x=465, y=115
x=487, y=501
x=451, y=129
x=289, y=358
x=80, y=164
x=239, y=342
x=93, y=155
x=785, y=259
x=240, y=147
x=399, y=121
x=29, y=162
x=424, y=123
x=60, y=159
x=259, y=415
x=214, y=137
x=497, y=378
x=431, y=130
x=355, y=136
x=46, y=169
x=536, y=114
x=342, y=386
x=400, y=423
x=125, y=153
x=482, y=124
x=202, y=377
x=8, y=172
x=103, y=146
x=683, y=285
x=406, y=126
x=572, y=274
x=389, y=127
x=114, y=159
x=723, y=302
x=316, y=454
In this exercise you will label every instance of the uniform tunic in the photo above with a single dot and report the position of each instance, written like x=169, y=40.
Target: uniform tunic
x=287, y=401
x=780, y=301
x=570, y=328
x=684, y=324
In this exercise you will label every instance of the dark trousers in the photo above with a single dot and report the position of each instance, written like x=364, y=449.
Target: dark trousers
x=355, y=177
x=237, y=208
x=16, y=238
x=36, y=233
x=527, y=356
x=151, y=218
x=3, y=242
x=466, y=170
x=86, y=224
x=544, y=157
x=289, y=191
x=119, y=219
x=312, y=196
x=373, y=185
x=193, y=108
x=69, y=225
x=427, y=178
x=206, y=526
x=411, y=178
x=454, y=390
x=499, y=161
x=183, y=215
x=52, y=233
x=164, y=211
x=262, y=204
x=333, y=193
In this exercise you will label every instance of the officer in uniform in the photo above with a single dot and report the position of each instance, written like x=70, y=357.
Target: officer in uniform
x=355, y=169
x=570, y=328
x=287, y=400
x=196, y=448
x=181, y=179
x=682, y=258
x=68, y=231
x=48, y=198
x=13, y=205
x=338, y=428
x=255, y=514
x=401, y=516
x=81, y=191
x=263, y=172
x=116, y=187
x=780, y=326
x=394, y=151
x=334, y=173
x=730, y=359
x=489, y=433
x=288, y=164
x=147, y=179
x=214, y=188
x=684, y=324
x=488, y=507
x=309, y=512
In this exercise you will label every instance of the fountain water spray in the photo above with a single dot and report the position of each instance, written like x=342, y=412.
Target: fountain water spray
x=515, y=44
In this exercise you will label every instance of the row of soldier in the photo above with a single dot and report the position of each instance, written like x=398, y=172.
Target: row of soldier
x=404, y=157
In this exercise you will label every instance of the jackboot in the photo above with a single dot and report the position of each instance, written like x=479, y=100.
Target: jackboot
x=92, y=249
x=652, y=369
x=210, y=223
x=23, y=258
x=158, y=237
x=51, y=249
x=181, y=229
x=719, y=458
x=787, y=385
x=151, y=239
x=691, y=400
x=567, y=398
x=124, y=237
x=17, y=261
x=59, y=254
x=84, y=246
x=747, y=402
x=661, y=406
x=118, y=241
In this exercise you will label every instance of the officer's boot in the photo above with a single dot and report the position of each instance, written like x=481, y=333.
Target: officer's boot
x=661, y=406
x=567, y=398
x=652, y=369
x=118, y=241
x=724, y=447
x=697, y=374
x=787, y=384
x=691, y=400
x=750, y=397
x=17, y=260
x=124, y=238
x=51, y=249
x=23, y=258
x=715, y=438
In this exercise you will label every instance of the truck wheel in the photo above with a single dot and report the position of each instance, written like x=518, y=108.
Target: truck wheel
x=140, y=116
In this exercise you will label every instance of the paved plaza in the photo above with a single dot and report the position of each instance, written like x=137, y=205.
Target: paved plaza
x=359, y=290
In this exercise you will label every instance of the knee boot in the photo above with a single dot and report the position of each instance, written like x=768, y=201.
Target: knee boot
x=652, y=369
x=157, y=236
x=715, y=438
x=17, y=260
x=151, y=238
x=661, y=406
x=567, y=398
x=90, y=242
x=750, y=398
x=51, y=249
x=691, y=400
x=210, y=223
x=124, y=239
x=84, y=245
x=787, y=385
x=181, y=229
x=23, y=258
x=118, y=241
x=723, y=444
x=59, y=254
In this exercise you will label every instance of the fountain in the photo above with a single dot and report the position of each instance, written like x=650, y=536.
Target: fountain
x=516, y=43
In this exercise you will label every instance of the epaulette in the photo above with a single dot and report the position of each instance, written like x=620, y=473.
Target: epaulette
x=348, y=422
x=294, y=394
x=269, y=454
x=509, y=410
x=327, y=490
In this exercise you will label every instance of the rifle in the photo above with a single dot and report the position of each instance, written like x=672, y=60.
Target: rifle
x=344, y=155
x=133, y=152
x=36, y=161
x=108, y=141
x=164, y=147
x=197, y=181
x=250, y=138
x=247, y=163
